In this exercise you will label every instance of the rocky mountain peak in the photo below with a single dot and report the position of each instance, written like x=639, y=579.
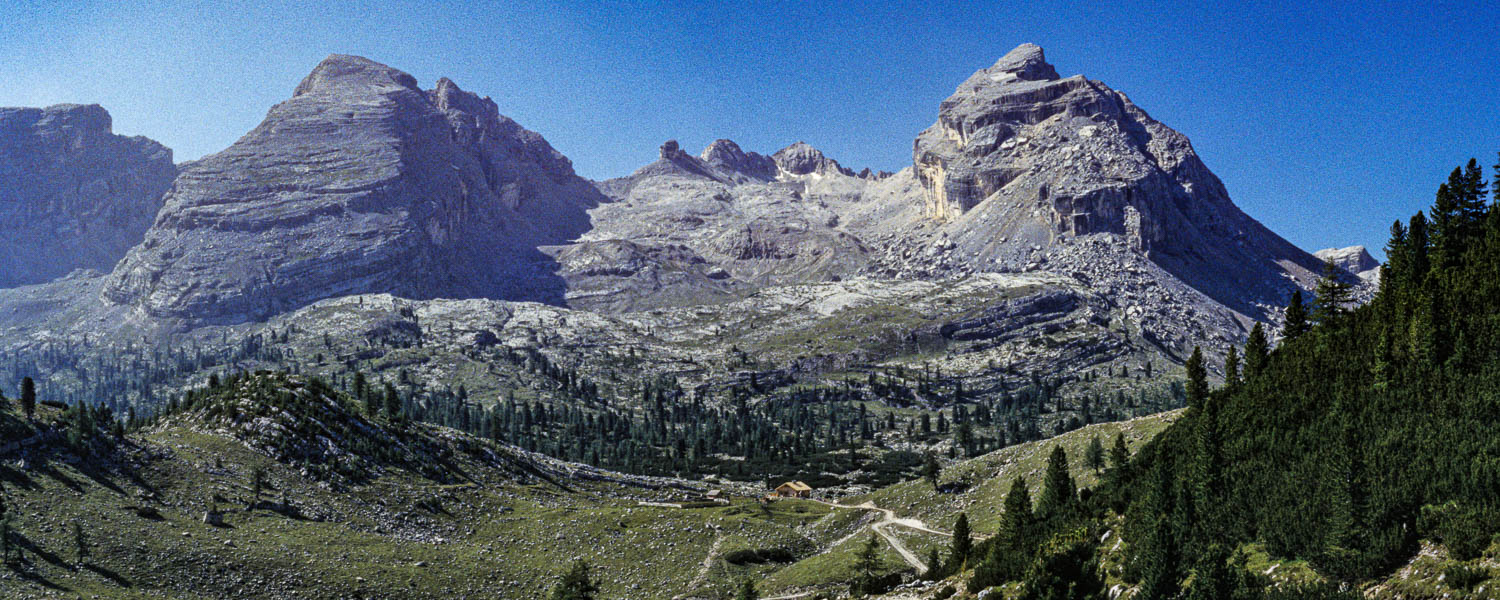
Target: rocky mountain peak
x=1018, y=153
x=361, y=182
x=803, y=159
x=727, y=156
x=342, y=73
x=1026, y=62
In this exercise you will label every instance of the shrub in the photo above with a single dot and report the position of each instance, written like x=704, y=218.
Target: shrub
x=1464, y=577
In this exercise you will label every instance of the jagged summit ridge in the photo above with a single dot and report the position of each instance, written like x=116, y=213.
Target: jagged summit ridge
x=360, y=182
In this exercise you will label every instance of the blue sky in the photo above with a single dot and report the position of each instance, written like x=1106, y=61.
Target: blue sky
x=1325, y=122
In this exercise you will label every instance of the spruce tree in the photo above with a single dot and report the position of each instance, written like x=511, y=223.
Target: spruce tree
x=1119, y=456
x=1295, y=317
x=1197, y=379
x=576, y=584
x=1095, y=454
x=1013, y=543
x=1232, y=367
x=1257, y=351
x=1159, y=552
x=80, y=544
x=1212, y=579
x=8, y=549
x=392, y=401
x=867, y=565
x=28, y=398
x=747, y=590
x=1058, y=494
x=257, y=483
x=1332, y=294
x=963, y=544
x=931, y=470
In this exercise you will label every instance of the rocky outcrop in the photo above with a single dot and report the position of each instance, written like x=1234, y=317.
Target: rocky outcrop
x=802, y=159
x=361, y=182
x=74, y=194
x=1354, y=259
x=727, y=156
x=1022, y=160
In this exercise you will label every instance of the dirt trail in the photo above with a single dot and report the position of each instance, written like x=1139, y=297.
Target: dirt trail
x=703, y=570
x=889, y=518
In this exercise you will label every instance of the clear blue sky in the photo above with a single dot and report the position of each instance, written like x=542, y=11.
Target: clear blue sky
x=1325, y=122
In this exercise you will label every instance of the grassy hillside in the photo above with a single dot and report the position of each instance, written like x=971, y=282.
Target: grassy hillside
x=491, y=522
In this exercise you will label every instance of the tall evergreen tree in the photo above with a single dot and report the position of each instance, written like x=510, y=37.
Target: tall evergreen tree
x=1159, y=552
x=1058, y=494
x=28, y=398
x=1295, y=317
x=1332, y=294
x=392, y=401
x=1095, y=454
x=1257, y=351
x=1013, y=544
x=963, y=544
x=931, y=470
x=1232, y=366
x=1119, y=455
x=1197, y=379
x=80, y=544
x=866, y=566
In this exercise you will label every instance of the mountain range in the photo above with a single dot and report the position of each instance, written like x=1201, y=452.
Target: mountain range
x=362, y=182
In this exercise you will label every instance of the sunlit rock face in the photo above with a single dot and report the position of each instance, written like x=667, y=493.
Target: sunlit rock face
x=1020, y=154
x=362, y=182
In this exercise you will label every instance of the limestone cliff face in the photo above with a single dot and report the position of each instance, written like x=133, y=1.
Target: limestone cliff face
x=73, y=195
x=361, y=182
x=1022, y=159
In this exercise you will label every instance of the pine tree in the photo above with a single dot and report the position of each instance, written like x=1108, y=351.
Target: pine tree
x=28, y=398
x=257, y=483
x=1058, y=494
x=1332, y=294
x=931, y=470
x=1257, y=351
x=8, y=549
x=1197, y=379
x=1159, y=553
x=576, y=584
x=1119, y=456
x=80, y=544
x=867, y=565
x=1295, y=317
x=963, y=544
x=1013, y=544
x=747, y=590
x=392, y=401
x=1212, y=578
x=1095, y=454
x=1232, y=366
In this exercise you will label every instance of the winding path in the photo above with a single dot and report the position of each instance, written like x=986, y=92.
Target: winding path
x=889, y=518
